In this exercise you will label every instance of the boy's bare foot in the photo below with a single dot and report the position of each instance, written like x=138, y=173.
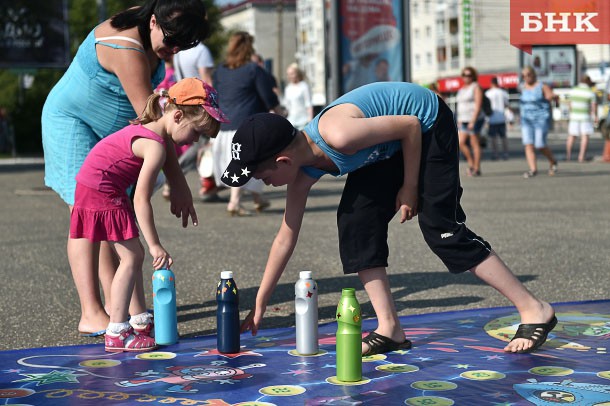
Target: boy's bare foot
x=397, y=336
x=542, y=314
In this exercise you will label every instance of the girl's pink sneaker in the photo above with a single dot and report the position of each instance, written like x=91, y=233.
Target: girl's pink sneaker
x=129, y=341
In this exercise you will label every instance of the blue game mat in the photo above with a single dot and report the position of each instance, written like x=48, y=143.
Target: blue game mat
x=456, y=358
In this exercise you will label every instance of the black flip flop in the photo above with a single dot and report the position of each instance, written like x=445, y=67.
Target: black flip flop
x=537, y=333
x=379, y=344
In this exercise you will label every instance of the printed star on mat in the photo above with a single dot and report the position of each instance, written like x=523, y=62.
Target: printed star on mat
x=492, y=357
x=461, y=366
x=401, y=352
x=12, y=371
x=51, y=377
x=467, y=326
x=329, y=366
x=423, y=359
x=242, y=352
x=263, y=338
x=465, y=321
x=297, y=372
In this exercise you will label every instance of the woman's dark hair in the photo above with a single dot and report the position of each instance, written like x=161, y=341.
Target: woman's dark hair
x=184, y=20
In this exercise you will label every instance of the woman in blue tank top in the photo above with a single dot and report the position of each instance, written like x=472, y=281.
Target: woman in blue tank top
x=535, y=116
x=107, y=84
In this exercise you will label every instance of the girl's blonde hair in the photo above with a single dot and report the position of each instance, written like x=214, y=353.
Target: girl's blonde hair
x=299, y=73
x=153, y=111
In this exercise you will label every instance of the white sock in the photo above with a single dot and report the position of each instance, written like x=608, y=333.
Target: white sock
x=141, y=319
x=117, y=328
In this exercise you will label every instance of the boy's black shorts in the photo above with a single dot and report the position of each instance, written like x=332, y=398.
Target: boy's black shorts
x=368, y=204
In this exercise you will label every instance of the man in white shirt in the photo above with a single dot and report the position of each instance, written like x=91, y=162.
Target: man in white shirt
x=197, y=62
x=497, y=121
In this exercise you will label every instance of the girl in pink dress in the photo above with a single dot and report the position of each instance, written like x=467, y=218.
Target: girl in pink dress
x=103, y=211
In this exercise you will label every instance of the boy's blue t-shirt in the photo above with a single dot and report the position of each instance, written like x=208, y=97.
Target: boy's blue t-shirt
x=376, y=99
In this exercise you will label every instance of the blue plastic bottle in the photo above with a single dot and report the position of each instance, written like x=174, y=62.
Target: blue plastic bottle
x=164, y=303
x=227, y=314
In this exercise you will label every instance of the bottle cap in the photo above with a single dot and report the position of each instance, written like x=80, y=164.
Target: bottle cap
x=305, y=275
x=226, y=275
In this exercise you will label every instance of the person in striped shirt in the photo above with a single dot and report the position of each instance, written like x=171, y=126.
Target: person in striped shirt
x=583, y=113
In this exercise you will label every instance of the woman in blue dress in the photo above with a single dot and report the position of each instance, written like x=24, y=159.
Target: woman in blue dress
x=535, y=115
x=114, y=71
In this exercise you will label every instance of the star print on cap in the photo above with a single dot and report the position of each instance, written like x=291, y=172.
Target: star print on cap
x=257, y=139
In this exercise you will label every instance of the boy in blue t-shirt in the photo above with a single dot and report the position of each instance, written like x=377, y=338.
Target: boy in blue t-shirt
x=399, y=145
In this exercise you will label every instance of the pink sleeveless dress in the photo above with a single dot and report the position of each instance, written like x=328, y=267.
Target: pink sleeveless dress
x=102, y=209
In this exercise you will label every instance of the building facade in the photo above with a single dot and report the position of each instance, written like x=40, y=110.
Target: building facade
x=272, y=23
x=444, y=37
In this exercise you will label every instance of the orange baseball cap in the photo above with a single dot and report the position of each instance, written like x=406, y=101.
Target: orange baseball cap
x=193, y=92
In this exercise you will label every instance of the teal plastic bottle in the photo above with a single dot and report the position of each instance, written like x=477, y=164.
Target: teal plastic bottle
x=349, y=337
x=164, y=304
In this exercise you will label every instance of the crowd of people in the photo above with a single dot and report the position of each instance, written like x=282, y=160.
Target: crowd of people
x=143, y=96
x=535, y=116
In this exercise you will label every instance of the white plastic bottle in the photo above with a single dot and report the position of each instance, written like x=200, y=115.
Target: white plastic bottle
x=306, y=313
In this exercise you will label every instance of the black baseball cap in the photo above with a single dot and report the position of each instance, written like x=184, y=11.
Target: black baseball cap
x=257, y=139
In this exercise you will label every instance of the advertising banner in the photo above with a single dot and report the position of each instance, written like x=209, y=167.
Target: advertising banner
x=555, y=65
x=34, y=34
x=371, y=42
x=558, y=22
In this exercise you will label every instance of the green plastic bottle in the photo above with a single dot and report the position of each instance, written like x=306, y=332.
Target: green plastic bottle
x=349, y=337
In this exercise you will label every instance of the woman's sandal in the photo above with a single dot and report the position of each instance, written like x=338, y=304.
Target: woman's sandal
x=261, y=206
x=92, y=334
x=239, y=212
x=379, y=344
x=537, y=333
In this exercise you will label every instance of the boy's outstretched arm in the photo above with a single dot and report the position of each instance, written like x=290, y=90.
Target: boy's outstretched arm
x=281, y=249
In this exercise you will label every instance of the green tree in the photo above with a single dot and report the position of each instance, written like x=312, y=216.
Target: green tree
x=25, y=105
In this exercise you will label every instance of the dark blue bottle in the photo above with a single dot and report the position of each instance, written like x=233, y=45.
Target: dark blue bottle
x=227, y=314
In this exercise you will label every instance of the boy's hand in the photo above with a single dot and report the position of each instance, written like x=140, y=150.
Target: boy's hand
x=161, y=258
x=406, y=202
x=253, y=320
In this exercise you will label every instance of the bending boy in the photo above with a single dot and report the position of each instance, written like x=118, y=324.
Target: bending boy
x=399, y=145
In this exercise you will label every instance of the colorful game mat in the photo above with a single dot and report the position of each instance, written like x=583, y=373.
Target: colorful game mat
x=456, y=358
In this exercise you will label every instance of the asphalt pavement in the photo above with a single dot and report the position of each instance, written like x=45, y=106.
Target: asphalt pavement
x=553, y=232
